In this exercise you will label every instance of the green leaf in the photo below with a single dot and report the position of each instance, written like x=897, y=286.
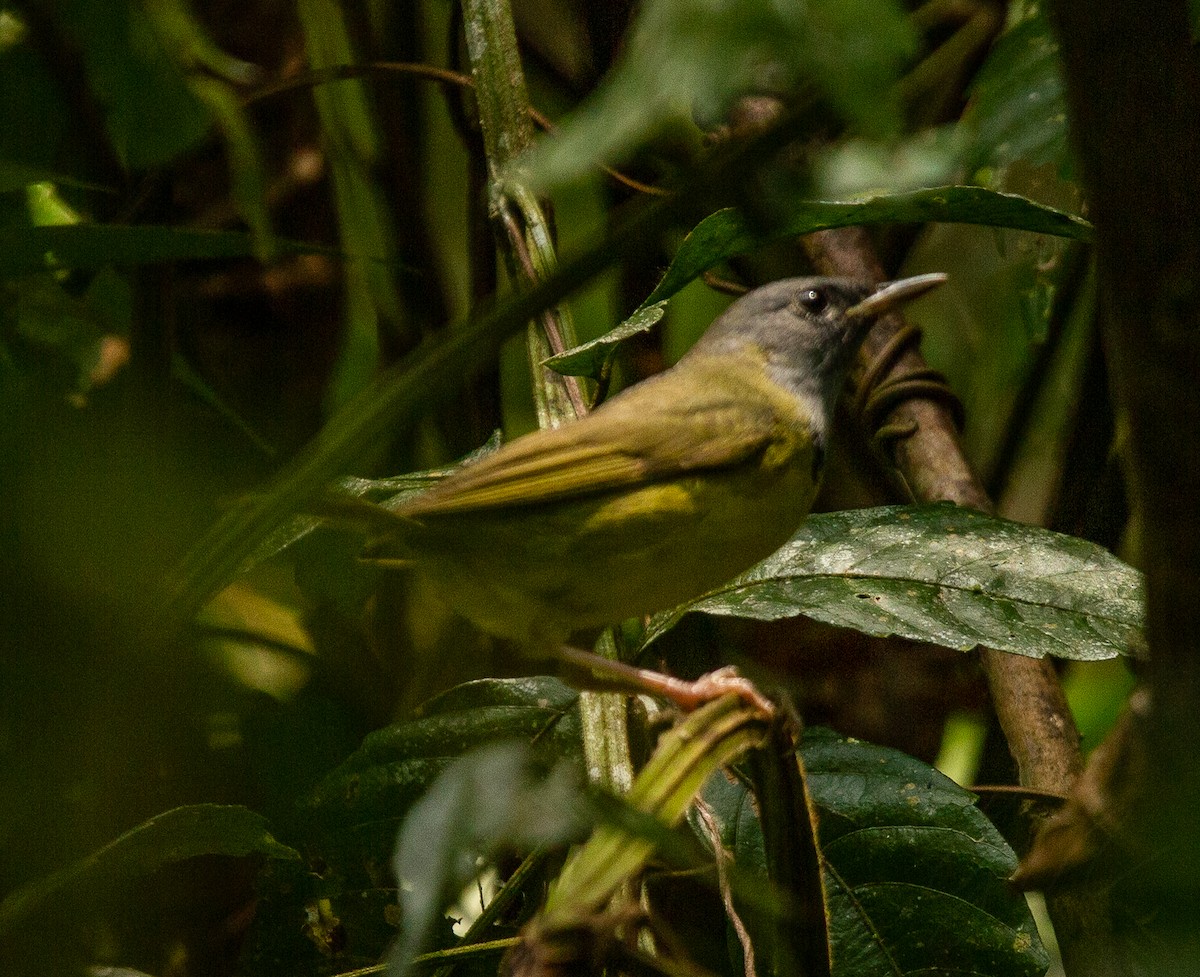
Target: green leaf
x=373, y=307
x=492, y=797
x=688, y=57
x=915, y=875
x=36, y=129
x=728, y=232
x=151, y=113
x=53, y=319
x=1018, y=106
x=591, y=359
x=83, y=246
x=246, y=169
x=185, y=832
x=378, y=783
x=944, y=575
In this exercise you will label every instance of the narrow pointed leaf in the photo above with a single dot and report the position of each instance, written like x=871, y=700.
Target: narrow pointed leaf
x=591, y=358
x=944, y=575
x=728, y=232
x=184, y=832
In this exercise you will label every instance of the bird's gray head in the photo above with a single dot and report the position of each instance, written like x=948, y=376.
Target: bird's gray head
x=808, y=329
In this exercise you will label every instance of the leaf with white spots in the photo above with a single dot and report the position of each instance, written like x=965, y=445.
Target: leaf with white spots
x=944, y=575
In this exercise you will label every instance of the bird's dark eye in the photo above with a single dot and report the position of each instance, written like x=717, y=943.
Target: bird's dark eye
x=813, y=300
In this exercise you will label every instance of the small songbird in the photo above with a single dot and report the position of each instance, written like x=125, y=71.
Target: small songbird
x=670, y=488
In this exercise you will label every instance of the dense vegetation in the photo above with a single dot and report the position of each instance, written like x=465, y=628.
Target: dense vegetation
x=257, y=257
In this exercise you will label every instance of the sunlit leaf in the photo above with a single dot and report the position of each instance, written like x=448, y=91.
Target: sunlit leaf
x=944, y=575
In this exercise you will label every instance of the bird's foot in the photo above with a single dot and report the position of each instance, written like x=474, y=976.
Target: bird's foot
x=687, y=694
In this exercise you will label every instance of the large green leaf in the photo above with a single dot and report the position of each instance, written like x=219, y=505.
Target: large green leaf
x=915, y=875
x=728, y=232
x=1018, y=107
x=185, y=832
x=945, y=575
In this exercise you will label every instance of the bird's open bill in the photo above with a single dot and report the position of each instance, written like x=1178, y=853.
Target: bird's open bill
x=891, y=294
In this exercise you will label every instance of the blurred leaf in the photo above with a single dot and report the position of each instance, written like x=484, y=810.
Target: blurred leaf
x=944, y=575
x=352, y=142
x=591, y=359
x=728, y=232
x=151, y=112
x=698, y=56
x=246, y=170
x=201, y=59
x=35, y=114
x=990, y=329
x=50, y=316
x=1018, y=107
x=915, y=875
x=350, y=819
x=75, y=326
x=181, y=31
x=47, y=206
x=260, y=641
x=185, y=832
x=493, y=797
x=852, y=168
x=375, y=787
x=97, y=245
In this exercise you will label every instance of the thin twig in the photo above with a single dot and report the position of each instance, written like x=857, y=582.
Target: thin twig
x=443, y=76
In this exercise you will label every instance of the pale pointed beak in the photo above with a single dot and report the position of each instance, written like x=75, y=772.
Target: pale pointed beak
x=891, y=294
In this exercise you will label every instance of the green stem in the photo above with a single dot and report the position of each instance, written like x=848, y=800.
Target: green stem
x=504, y=118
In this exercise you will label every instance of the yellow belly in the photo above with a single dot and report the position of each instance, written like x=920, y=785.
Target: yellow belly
x=536, y=574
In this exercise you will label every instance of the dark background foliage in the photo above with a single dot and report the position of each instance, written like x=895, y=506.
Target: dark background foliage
x=225, y=275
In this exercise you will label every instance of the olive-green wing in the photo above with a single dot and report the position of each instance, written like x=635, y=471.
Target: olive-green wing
x=664, y=427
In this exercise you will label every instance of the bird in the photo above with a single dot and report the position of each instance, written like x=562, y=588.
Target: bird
x=672, y=487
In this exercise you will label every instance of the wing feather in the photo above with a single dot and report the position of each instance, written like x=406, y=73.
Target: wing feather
x=662, y=428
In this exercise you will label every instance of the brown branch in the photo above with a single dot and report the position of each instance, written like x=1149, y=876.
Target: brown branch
x=1026, y=693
